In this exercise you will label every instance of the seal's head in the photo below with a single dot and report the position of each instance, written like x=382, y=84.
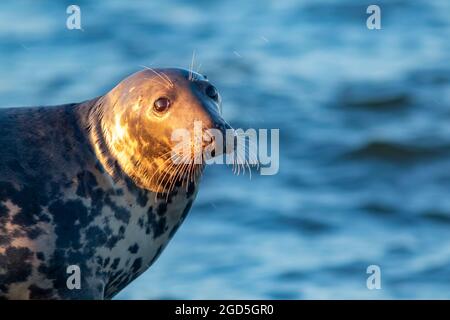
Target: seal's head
x=134, y=124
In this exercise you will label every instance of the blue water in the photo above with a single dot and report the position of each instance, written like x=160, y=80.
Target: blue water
x=364, y=135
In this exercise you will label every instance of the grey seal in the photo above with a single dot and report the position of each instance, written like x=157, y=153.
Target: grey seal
x=90, y=185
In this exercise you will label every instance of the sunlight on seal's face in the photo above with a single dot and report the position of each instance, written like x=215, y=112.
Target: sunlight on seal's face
x=139, y=116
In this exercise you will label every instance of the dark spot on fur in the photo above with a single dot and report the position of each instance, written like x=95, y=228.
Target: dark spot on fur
x=4, y=212
x=186, y=210
x=154, y=225
x=99, y=167
x=96, y=237
x=29, y=199
x=86, y=184
x=134, y=248
x=106, y=262
x=99, y=260
x=142, y=198
x=141, y=222
x=136, y=266
x=34, y=233
x=40, y=293
x=112, y=241
x=115, y=263
x=69, y=218
x=17, y=263
x=4, y=240
x=162, y=208
x=120, y=213
x=191, y=190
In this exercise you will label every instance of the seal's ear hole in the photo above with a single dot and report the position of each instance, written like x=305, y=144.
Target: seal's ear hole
x=211, y=92
x=161, y=104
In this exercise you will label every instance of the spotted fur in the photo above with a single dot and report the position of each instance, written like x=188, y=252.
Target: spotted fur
x=60, y=207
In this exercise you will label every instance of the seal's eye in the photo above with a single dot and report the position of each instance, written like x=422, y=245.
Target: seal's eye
x=211, y=92
x=161, y=104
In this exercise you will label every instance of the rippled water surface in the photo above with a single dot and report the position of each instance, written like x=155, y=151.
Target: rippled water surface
x=364, y=135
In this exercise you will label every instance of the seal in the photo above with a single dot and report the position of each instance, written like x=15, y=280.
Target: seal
x=88, y=195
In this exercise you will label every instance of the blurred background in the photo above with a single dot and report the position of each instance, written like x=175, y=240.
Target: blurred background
x=364, y=137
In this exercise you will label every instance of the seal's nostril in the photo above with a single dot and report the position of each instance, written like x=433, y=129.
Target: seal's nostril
x=211, y=92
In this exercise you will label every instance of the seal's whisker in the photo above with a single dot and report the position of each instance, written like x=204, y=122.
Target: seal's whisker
x=179, y=170
x=248, y=151
x=158, y=82
x=185, y=173
x=159, y=75
x=193, y=172
x=167, y=77
x=163, y=84
x=186, y=170
x=191, y=67
x=231, y=127
x=174, y=176
x=243, y=163
x=198, y=170
x=173, y=180
x=168, y=170
x=253, y=157
x=168, y=152
x=238, y=163
x=162, y=170
x=169, y=190
x=159, y=183
x=161, y=177
x=235, y=165
x=181, y=173
x=198, y=68
x=159, y=168
x=249, y=169
x=189, y=171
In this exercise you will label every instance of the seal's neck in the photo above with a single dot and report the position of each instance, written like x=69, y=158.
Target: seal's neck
x=94, y=120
